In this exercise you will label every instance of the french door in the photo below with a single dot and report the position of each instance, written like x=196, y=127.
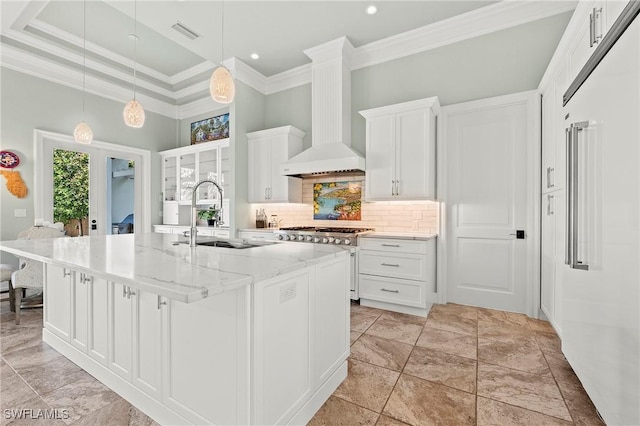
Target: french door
x=94, y=189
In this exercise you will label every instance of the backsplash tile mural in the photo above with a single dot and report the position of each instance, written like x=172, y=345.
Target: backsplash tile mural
x=337, y=200
x=387, y=216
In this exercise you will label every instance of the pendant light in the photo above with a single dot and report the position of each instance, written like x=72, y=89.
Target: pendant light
x=83, y=133
x=221, y=86
x=133, y=112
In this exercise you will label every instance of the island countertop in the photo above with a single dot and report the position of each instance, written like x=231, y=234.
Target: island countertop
x=157, y=263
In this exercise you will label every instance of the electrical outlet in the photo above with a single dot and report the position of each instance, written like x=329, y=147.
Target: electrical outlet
x=288, y=292
x=20, y=212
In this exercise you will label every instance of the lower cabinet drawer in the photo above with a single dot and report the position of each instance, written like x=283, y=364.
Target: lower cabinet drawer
x=401, y=265
x=393, y=290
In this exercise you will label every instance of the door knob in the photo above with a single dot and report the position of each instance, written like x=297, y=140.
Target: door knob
x=519, y=234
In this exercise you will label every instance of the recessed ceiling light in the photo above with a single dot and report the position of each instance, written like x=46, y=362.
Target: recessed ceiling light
x=255, y=56
x=371, y=10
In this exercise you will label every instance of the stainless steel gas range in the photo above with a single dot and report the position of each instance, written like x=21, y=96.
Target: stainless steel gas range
x=323, y=235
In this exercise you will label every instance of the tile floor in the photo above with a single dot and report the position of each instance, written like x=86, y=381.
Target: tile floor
x=459, y=366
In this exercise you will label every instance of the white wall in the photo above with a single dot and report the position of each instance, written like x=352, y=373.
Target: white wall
x=30, y=103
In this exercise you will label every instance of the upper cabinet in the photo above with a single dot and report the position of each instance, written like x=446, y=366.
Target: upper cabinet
x=596, y=21
x=267, y=149
x=401, y=151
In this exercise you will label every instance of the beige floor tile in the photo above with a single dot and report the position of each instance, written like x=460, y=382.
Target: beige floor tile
x=419, y=402
x=522, y=389
x=24, y=338
x=119, y=412
x=492, y=413
x=360, y=309
x=395, y=330
x=404, y=318
x=34, y=412
x=464, y=311
x=453, y=322
x=548, y=342
x=388, y=421
x=45, y=378
x=449, y=342
x=354, y=336
x=505, y=332
x=338, y=412
x=81, y=398
x=40, y=354
x=540, y=325
x=440, y=367
x=367, y=385
x=523, y=356
x=361, y=322
x=13, y=390
x=381, y=352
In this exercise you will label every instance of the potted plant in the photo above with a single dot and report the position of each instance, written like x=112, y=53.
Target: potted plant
x=210, y=215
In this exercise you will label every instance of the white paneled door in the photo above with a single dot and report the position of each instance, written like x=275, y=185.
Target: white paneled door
x=488, y=210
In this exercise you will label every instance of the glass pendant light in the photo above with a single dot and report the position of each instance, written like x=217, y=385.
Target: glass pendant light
x=83, y=133
x=133, y=112
x=221, y=85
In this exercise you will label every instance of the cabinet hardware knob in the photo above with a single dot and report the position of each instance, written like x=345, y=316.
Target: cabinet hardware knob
x=160, y=302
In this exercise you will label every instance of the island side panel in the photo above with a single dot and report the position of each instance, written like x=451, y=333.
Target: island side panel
x=206, y=358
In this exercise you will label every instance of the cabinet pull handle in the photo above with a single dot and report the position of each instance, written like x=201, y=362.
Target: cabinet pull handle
x=160, y=302
x=551, y=211
x=395, y=265
x=390, y=245
x=124, y=291
x=130, y=293
x=397, y=187
x=549, y=171
x=85, y=278
x=65, y=273
x=393, y=187
x=571, y=235
x=389, y=291
x=266, y=197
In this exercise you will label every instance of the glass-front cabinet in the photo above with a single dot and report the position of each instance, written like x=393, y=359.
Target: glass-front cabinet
x=186, y=166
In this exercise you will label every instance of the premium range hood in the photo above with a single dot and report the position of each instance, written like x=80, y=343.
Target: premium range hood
x=331, y=150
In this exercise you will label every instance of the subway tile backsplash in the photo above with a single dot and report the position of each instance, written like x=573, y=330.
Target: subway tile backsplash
x=388, y=216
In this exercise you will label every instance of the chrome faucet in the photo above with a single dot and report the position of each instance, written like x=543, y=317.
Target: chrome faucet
x=194, y=231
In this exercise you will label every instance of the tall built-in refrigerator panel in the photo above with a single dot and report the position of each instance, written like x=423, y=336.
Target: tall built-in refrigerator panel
x=600, y=294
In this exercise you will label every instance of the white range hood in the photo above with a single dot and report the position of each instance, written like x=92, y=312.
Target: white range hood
x=331, y=150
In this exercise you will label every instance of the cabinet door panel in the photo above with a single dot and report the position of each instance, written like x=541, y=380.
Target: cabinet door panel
x=98, y=320
x=380, y=157
x=415, y=156
x=80, y=312
x=120, y=331
x=259, y=173
x=57, y=294
x=147, y=343
x=548, y=257
x=187, y=178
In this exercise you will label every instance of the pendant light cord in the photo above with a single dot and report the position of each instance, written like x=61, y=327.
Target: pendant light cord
x=84, y=54
x=222, y=37
x=135, y=45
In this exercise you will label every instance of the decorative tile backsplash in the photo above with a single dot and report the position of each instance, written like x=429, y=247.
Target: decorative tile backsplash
x=386, y=216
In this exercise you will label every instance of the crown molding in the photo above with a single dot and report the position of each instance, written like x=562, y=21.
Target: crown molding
x=340, y=48
x=298, y=76
x=482, y=21
x=246, y=74
x=198, y=107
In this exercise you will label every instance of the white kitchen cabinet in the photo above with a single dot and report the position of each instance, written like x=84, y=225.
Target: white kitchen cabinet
x=401, y=150
x=397, y=274
x=267, y=149
x=184, y=167
x=80, y=310
x=257, y=235
x=147, y=342
x=120, y=329
x=552, y=261
x=57, y=300
x=553, y=137
x=98, y=339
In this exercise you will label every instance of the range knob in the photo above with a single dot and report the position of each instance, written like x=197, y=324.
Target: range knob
x=309, y=238
x=337, y=241
x=331, y=239
x=281, y=237
x=300, y=237
x=325, y=240
x=316, y=239
x=346, y=241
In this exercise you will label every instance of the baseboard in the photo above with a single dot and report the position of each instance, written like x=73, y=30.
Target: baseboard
x=421, y=312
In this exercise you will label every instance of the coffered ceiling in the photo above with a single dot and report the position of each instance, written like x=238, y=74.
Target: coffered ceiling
x=45, y=38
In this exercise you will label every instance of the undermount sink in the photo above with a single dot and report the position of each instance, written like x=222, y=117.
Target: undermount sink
x=231, y=244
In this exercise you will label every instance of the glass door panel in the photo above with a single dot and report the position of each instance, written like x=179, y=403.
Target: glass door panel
x=208, y=169
x=71, y=191
x=170, y=179
x=225, y=168
x=187, y=176
x=120, y=195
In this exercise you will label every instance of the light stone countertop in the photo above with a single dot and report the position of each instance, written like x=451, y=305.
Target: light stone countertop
x=400, y=236
x=155, y=263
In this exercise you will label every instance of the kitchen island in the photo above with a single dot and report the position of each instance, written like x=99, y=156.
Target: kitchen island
x=202, y=335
